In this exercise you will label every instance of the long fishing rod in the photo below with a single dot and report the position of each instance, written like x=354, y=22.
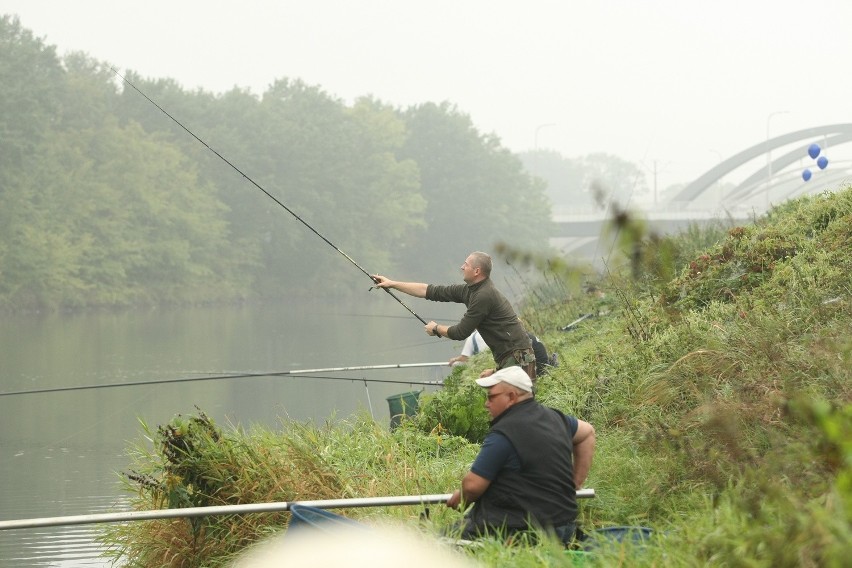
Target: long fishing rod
x=269, y=195
x=272, y=507
x=250, y=375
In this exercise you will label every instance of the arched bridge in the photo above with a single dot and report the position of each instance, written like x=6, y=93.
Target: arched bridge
x=767, y=182
x=763, y=179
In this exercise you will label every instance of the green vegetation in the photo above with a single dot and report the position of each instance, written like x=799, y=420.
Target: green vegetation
x=718, y=377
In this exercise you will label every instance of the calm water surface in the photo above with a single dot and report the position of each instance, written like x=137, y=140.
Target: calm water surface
x=62, y=453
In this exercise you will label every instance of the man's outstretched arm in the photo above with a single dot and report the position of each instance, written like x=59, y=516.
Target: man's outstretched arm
x=416, y=289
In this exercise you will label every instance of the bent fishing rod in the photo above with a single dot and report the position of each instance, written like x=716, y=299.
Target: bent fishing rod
x=219, y=377
x=269, y=195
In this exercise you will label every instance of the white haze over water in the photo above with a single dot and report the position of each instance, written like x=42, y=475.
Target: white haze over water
x=671, y=85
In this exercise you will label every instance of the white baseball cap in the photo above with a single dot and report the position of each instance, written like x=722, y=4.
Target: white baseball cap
x=514, y=376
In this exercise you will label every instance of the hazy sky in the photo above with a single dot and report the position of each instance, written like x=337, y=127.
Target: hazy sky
x=676, y=83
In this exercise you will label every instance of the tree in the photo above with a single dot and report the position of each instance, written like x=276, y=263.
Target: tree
x=610, y=178
x=30, y=99
x=477, y=193
x=114, y=216
x=563, y=178
x=336, y=168
x=30, y=93
x=104, y=213
x=332, y=166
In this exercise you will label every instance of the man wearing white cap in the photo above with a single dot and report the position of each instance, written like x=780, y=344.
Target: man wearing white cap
x=532, y=461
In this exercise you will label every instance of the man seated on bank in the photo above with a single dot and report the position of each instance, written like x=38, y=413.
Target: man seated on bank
x=532, y=462
x=473, y=345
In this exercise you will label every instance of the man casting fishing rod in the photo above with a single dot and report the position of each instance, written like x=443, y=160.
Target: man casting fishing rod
x=487, y=310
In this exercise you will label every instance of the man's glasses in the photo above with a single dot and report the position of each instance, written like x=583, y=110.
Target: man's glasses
x=492, y=396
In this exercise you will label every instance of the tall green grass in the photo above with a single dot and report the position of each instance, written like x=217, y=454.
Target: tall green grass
x=717, y=371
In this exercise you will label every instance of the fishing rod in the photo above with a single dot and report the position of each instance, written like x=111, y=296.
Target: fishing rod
x=249, y=375
x=573, y=325
x=269, y=195
x=193, y=512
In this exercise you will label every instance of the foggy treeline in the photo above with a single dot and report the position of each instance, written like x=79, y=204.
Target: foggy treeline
x=106, y=201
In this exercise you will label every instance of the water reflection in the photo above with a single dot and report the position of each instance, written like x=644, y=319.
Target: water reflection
x=61, y=453
x=69, y=546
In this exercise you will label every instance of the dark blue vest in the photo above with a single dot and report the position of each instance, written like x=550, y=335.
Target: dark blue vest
x=542, y=493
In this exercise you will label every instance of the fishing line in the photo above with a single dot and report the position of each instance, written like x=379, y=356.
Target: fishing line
x=399, y=348
x=374, y=316
x=269, y=195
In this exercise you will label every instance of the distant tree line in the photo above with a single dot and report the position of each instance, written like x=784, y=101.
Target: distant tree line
x=104, y=201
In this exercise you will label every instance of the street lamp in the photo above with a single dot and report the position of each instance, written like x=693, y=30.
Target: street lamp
x=718, y=181
x=769, y=154
x=537, y=128
x=654, y=171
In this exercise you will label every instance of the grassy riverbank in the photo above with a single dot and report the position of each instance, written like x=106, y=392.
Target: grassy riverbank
x=716, y=371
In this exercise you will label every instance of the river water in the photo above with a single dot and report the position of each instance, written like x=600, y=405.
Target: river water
x=61, y=453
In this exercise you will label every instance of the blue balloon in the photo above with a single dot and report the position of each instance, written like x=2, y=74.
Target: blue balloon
x=813, y=150
x=806, y=175
x=822, y=162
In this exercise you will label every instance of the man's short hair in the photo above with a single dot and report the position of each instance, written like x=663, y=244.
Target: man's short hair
x=482, y=261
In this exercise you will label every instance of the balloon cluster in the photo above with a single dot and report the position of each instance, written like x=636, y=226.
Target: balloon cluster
x=822, y=161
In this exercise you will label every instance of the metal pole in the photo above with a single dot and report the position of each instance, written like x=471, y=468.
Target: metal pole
x=718, y=181
x=769, y=155
x=369, y=402
x=236, y=510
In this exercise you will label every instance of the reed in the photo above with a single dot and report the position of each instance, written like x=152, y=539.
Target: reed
x=193, y=462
